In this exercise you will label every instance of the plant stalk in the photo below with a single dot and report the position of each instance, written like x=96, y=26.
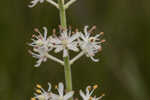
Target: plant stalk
x=67, y=66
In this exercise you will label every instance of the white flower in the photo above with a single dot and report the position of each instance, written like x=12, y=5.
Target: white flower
x=90, y=44
x=89, y=92
x=98, y=98
x=61, y=95
x=34, y=2
x=42, y=94
x=41, y=46
x=65, y=42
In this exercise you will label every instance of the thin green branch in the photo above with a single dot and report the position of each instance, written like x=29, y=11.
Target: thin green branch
x=69, y=3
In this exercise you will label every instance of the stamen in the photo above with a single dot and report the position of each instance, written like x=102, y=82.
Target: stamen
x=70, y=27
x=38, y=91
x=54, y=31
x=56, y=87
x=102, y=41
x=103, y=95
x=90, y=98
x=89, y=88
x=101, y=33
x=33, y=35
x=33, y=99
x=38, y=86
x=95, y=86
x=100, y=49
x=36, y=30
x=60, y=27
x=76, y=30
x=93, y=28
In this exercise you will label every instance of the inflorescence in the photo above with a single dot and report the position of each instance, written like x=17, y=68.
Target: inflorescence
x=86, y=43
x=41, y=94
x=65, y=40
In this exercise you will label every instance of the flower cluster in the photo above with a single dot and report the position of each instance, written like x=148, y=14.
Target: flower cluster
x=66, y=41
x=41, y=94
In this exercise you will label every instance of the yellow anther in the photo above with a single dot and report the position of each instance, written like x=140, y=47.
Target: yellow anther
x=89, y=88
x=103, y=94
x=90, y=98
x=38, y=91
x=56, y=86
x=38, y=86
x=33, y=99
x=95, y=86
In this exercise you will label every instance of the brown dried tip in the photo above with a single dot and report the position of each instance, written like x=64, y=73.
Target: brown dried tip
x=102, y=41
x=36, y=29
x=54, y=31
x=76, y=99
x=73, y=32
x=70, y=27
x=33, y=36
x=61, y=28
x=100, y=49
x=76, y=30
x=101, y=33
x=93, y=28
x=30, y=52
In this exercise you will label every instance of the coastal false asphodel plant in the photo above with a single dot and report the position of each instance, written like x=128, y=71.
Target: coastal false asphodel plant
x=65, y=40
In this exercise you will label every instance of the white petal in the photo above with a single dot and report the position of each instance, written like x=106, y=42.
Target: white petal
x=65, y=53
x=85, y=30
x=38, y=63
x=73, y=46
x=45, y=32
x=54, y=96
x=95, y=60
x=49, y=87
x=68, y=95
x=74, y=37
x=87, y=90
x=61, y=89
x=58, y=48
x=82, y=94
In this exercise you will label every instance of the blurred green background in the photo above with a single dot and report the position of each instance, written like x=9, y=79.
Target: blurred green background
x=123, y=72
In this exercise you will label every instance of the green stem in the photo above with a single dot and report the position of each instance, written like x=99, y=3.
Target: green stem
x=62, y=13
x=68, y=76
x=67, y=66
